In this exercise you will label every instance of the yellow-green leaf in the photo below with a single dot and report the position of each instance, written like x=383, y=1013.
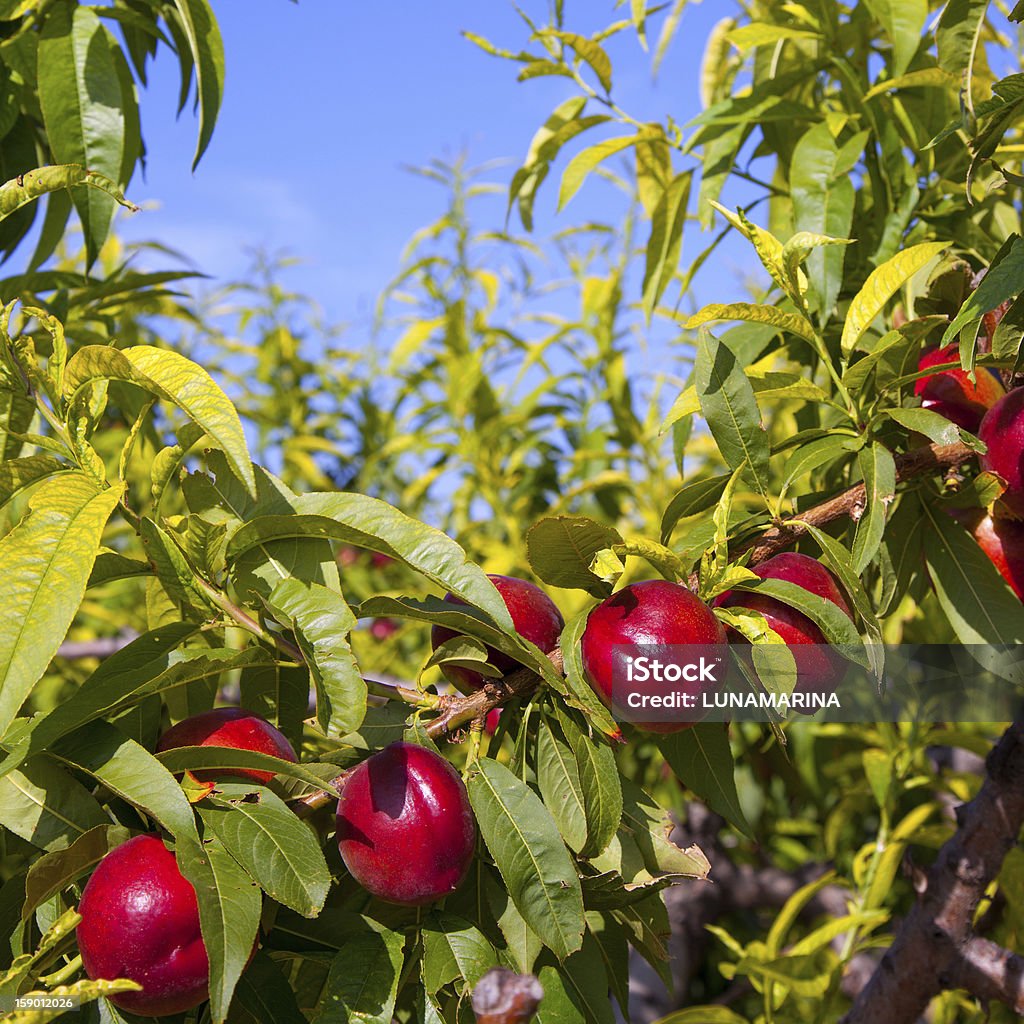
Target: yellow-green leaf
x=584, y=162
x=46, y=559
x=882, y=284
x=761, y=34
x=176, y=379
x=792, y=323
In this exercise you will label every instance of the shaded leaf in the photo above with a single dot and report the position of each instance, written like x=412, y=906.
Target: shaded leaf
x=528, y=851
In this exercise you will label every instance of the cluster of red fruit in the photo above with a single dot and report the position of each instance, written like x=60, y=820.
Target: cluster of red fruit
x=983, y=407
x=404, y=828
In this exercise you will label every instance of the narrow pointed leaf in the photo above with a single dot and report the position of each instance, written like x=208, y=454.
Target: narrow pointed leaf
x=47, y=559
x=528, y=851
x=178, y=380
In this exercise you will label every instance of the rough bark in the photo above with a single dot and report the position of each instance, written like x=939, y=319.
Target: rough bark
x=936, y=948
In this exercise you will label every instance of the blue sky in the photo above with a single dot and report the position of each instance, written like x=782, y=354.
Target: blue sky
x=326, y=102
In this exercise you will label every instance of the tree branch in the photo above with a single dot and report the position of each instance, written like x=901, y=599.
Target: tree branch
x=991, y=973
x=935, y=948
x=851, y=501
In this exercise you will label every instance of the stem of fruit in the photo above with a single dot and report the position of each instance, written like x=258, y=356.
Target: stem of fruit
x=455, y=712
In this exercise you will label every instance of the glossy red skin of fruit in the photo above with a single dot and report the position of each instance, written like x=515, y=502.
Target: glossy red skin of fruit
x=405, y=828
x=951, y=393
x=534, y=615
x=1002, y=430
x=140, y=920
x=654, y=612
x=818, y=667
x=229, y=727
x=1003, y=541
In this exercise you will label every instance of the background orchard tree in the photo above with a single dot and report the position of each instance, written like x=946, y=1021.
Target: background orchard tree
x=212, y=497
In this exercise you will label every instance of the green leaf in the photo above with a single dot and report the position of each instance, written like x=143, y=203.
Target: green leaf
x=558, y=1005
x=839, y=561
x=47, y=559
x=229, y=915
x=561, y=550
x=131, y=772
x=923, y=421
x=146, y=666
x=882, y=284
x=363, y=981
x=834, y=623
x=204, y=40
x=44, y=805
x=258, y=570
x=179, y=579
x=791, y=323
x=653, y=167
x=586, y=160
x=564, y=124
x=903, y=21
x=464, y=619
x=574, y=688
x=823, y=200
x=587, y=981
x=278, y=850
x=609, y=891
x=791, y=911
x=957, y=35
x=59, y=869
x=322, y=621
x=808, y=976
x=701, y=759
x=176, y=379
x=558, y=777
x=83, y=108
x=818, y=452
x=528, y=851
x=454, y=950
x=649, y=826
x=1004, y=280
x=665, y=242
x=264, y=994
x=728, y=403
x=16, y=413
x=879, y=470
x=896, y=345
x=692, y=499
x=600, y=785
x=371, y=523
x=979, y=604
x=522, y=943
x=207, y=758
x=280, y=693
